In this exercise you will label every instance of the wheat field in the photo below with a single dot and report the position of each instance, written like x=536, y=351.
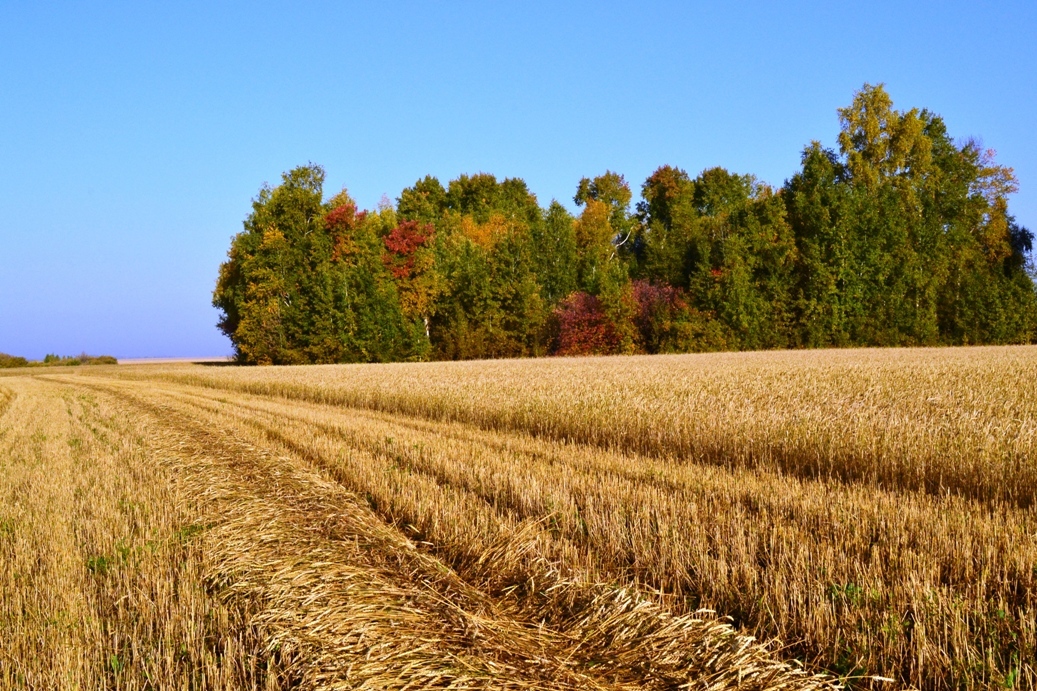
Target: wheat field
x=785, y=520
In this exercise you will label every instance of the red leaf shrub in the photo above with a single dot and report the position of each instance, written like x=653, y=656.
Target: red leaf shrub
x=583, y=328
x=655, y=301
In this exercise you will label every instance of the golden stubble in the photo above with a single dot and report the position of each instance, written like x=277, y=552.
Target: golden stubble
x=103, y=582
x=563, y=523
x=956, y=420
x=934, y=589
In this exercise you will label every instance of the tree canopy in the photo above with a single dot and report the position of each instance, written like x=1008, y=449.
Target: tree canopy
x=902, y=236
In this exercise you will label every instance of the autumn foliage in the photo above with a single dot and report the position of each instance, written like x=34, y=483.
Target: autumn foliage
x=901, y=237
x=583, y=328
x=402, y=245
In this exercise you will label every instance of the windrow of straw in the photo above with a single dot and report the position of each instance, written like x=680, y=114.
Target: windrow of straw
x=356, y=602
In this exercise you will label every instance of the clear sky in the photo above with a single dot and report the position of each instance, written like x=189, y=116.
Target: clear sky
x=133, y=136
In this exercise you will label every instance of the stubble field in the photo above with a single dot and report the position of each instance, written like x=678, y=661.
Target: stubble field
x=760, y=521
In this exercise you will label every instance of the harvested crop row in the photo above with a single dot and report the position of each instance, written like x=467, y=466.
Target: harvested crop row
x=962, y=421
x=918, y=567
x=102, y=586
x=559, y=632
x=935, y=591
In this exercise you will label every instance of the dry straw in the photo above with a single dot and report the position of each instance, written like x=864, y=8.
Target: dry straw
x=527, y=524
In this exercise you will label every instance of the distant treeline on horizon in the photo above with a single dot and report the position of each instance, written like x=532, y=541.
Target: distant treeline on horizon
x=901, y=237
x=9, y=361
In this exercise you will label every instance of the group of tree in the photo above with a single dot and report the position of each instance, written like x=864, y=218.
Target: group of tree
x=10, y=361
x=901, y=237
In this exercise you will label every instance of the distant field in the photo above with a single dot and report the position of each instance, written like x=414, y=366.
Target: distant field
x=171, y=360
x=604, y=523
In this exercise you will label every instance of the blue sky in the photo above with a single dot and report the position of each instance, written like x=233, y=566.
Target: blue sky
x=133, y=136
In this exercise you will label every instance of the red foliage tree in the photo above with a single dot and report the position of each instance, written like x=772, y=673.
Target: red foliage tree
x=655, y=301
x=342, y=222
x=583, y=327
x=340, y=216
x=402, y=244
x=410, y=259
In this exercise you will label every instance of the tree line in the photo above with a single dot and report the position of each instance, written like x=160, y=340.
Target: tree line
x=52, y=360
x=901, y=237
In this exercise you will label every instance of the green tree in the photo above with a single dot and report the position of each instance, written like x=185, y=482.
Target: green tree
x=271, y=289
x=372, y=322
x=724, y=240
x=904, y=237
x=604, y=227
x=487, y=255
x=672, y=241
x=554, y=254
x=828, y=280
x=304, y=281
x=424, y=202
